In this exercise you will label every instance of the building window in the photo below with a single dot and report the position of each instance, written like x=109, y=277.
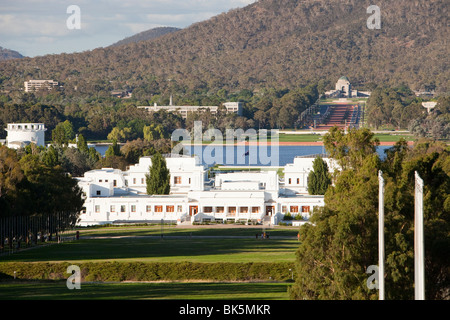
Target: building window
x=243, y=210
x=133, y=208
x=255, y=209
x=207, y=209
x=189, y=180
x=294, y=209
x=298, y=180
x=284, y=209
x=112, y=208
x=177, y=180
x=134, y=180
x=180, y=209
x=148, y=208
x=220, y=210
x=290, y=181
x=142, y=180
x=115, y=183
x=97, y=208
x=170, y=208
x=99, y=193
x=122, y=208
x=305, y=208
x=232, y=210
x=158, y=208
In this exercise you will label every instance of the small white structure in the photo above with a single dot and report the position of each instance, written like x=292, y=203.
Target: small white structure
x=429, y=105
x=34, y=85
x=113, y=196
x=23, y=134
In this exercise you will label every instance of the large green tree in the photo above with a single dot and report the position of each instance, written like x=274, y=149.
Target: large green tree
x=158, y=179
x=319, y=178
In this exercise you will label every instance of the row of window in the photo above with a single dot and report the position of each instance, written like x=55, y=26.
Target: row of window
x=231, y=210
x=295, y=209
x=176, y=180
x=179, y=208
x=148, y=208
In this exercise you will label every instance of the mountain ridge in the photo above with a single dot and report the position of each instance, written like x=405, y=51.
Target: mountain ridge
x=283, y=43
x=8, y=54
x=146, y=35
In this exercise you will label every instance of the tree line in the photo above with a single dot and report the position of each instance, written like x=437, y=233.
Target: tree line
x=106, y=117
x=400, y=108
x=341, y=241
x=35, y=196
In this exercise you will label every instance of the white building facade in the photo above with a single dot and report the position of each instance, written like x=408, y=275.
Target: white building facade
x=115, y=196
x=231, y=107
x=23, y=134
x=35, y=85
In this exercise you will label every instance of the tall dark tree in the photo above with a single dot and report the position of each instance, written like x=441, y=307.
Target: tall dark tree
x=158, y=179
x=319, y=178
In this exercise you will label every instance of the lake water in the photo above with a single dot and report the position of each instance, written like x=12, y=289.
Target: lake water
x=254, y=156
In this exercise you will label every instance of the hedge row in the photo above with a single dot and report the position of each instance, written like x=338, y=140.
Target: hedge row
x=153, y=271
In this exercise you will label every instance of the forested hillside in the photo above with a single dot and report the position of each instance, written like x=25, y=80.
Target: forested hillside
x=268, y=44
x=146, y=35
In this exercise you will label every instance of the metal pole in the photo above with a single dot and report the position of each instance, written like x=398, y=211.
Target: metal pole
x=381, y=236
x=419, y=257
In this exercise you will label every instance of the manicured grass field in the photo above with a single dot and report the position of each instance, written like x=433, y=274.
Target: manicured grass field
x=51, y=290
x=300, y=137
x=145, y=244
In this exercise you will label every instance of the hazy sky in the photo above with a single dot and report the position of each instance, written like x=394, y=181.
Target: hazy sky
x=38, y=27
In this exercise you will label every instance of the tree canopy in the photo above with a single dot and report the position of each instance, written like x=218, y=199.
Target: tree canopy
x=158, y=179
x=319, y=178
x=341, y=241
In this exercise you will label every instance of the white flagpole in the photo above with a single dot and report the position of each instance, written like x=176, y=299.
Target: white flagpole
x=381, y=237
x=419, y=257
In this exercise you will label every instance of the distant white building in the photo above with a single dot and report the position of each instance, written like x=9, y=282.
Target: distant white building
x=343, y=89
x=114, y=196
x=231, y=107
x=34, y=85
x=23, y=134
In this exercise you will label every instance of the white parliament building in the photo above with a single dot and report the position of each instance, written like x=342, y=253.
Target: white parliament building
x=115, y=196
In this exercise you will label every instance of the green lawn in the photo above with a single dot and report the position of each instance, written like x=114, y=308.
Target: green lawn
x=145, y=244
x=300, y=137
x=383, y=137
x=51, y=290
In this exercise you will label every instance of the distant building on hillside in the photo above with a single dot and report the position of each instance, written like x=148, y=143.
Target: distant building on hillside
x=34, y=85
x=23, y=134
x=235, y=107
x=123, y=94
x=344, y=89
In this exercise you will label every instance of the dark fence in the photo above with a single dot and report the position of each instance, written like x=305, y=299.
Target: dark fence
x=21, y=232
